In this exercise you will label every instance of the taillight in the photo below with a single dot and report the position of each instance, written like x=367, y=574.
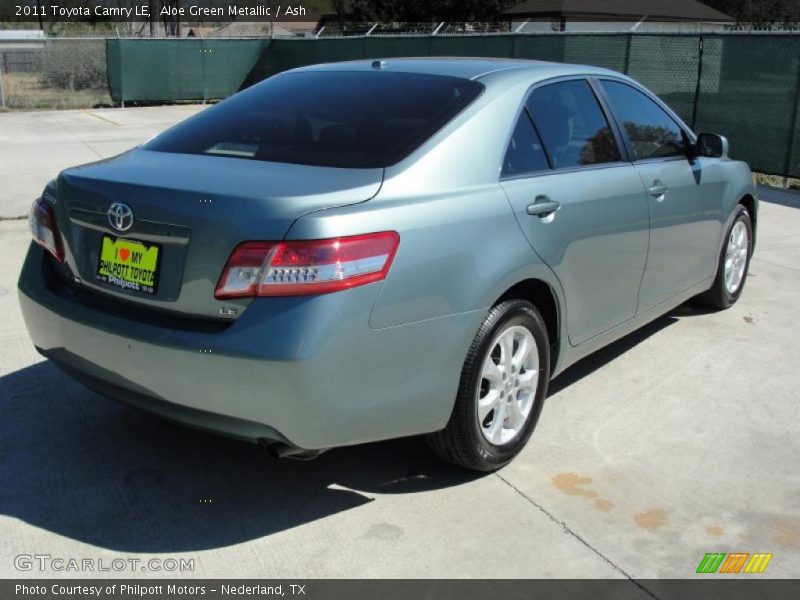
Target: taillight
x=43, y=227
x=299, y=268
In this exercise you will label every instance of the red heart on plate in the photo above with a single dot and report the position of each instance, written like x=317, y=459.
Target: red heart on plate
x=124, y=253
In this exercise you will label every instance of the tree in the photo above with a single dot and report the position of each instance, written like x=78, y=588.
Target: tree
x=421, y=11
x=759, y=12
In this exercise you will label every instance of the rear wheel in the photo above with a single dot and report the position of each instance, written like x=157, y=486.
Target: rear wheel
x=503, y=384
x=734, y=262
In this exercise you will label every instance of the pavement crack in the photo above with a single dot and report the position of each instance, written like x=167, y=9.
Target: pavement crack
x=774, y=264
x=567, y=529
x=78, y=138
x=102, y=118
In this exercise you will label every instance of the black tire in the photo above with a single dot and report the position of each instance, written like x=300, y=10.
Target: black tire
x=718, y=295
x=462, y=441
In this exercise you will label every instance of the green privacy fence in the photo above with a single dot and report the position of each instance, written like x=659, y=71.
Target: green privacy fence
x=144, y=70
x=744, y=86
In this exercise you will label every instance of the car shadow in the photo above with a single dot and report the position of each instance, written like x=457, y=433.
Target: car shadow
x=773, y=195
x=81, y=466
x=602, y=357
x=76, y=464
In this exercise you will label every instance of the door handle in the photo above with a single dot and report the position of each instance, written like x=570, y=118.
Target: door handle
x=658, y=190
x=542, y=207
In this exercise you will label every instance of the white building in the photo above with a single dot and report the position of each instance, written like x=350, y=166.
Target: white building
x=15, y=38
x=19, y=50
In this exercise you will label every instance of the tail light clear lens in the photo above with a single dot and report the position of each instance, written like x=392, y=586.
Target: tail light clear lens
x=42, y=222
x=299, y=268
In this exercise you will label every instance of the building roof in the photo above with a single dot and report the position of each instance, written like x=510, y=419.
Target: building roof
x=15, y=35
x=21, y=39
x=654, y=10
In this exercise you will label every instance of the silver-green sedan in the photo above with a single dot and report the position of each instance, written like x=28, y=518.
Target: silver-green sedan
x=367, y=250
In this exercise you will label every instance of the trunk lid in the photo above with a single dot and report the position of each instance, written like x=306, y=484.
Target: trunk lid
x=195, y=209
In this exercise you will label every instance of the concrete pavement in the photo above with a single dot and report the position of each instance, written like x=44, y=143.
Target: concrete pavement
x=36, y=146
x=678, y=440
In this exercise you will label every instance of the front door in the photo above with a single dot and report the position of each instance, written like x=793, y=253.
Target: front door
x=583, y=210
x=684, y=225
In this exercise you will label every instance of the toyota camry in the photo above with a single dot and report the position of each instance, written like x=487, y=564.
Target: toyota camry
x=359, y=251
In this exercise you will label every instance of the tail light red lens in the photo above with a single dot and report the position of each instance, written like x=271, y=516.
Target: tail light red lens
x=42, y=222
x=299, y=268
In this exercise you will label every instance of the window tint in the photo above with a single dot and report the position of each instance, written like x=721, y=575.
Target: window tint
x=525, y=153
x=651, y=131
x=325, y=118
x=572, y=125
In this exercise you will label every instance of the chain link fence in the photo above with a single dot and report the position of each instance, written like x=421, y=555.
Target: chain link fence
x=413, y=29
x=54, y=74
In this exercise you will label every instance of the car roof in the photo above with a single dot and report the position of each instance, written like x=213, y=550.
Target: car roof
x=504, y=69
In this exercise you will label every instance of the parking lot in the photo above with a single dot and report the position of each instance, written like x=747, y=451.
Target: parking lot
x=35, y=146
x=678, y=440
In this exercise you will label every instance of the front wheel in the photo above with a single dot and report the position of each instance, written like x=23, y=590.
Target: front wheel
x=734, y=262
x=502, y=389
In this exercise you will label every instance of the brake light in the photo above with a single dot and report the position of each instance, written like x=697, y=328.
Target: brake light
x=42, y=222
x=299, y=268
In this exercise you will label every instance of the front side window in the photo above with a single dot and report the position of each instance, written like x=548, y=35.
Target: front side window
x=651, y=131
x=525, y=154
x=572, y=125
x=353, y=119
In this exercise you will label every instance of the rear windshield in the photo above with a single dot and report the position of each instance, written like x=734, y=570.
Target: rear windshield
x=325, y=118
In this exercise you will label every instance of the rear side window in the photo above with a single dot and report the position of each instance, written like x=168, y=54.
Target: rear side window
x=651, y=131
x=525, y=153
x=572, y=125
x=325, y=118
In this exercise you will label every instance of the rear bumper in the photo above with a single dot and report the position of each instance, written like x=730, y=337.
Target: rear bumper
x=72, y=365
x=309, y=372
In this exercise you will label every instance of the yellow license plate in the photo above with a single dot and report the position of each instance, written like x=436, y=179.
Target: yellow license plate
x=128, y=264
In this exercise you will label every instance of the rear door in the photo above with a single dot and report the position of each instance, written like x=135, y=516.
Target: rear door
x=580, y=204
x=684, y=225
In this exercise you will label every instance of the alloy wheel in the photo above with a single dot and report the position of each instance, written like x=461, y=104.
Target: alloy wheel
x=736, y=257
x=507, y=387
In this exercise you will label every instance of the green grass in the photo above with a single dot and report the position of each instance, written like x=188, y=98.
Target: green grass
x=25, y=91
x=776, y=181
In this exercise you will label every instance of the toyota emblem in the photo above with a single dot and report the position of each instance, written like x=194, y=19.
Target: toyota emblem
x=120, y=216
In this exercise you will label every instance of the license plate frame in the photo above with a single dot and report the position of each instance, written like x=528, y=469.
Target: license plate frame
x=125, y=263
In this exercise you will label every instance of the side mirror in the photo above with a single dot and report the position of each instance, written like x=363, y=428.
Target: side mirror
x=712, y=145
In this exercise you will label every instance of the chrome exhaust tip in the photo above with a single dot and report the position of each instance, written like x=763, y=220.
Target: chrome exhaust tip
x=283, y=450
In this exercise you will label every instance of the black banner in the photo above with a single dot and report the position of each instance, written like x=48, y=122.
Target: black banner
x=617, y=589
x=219, y=11
x=208, y=11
